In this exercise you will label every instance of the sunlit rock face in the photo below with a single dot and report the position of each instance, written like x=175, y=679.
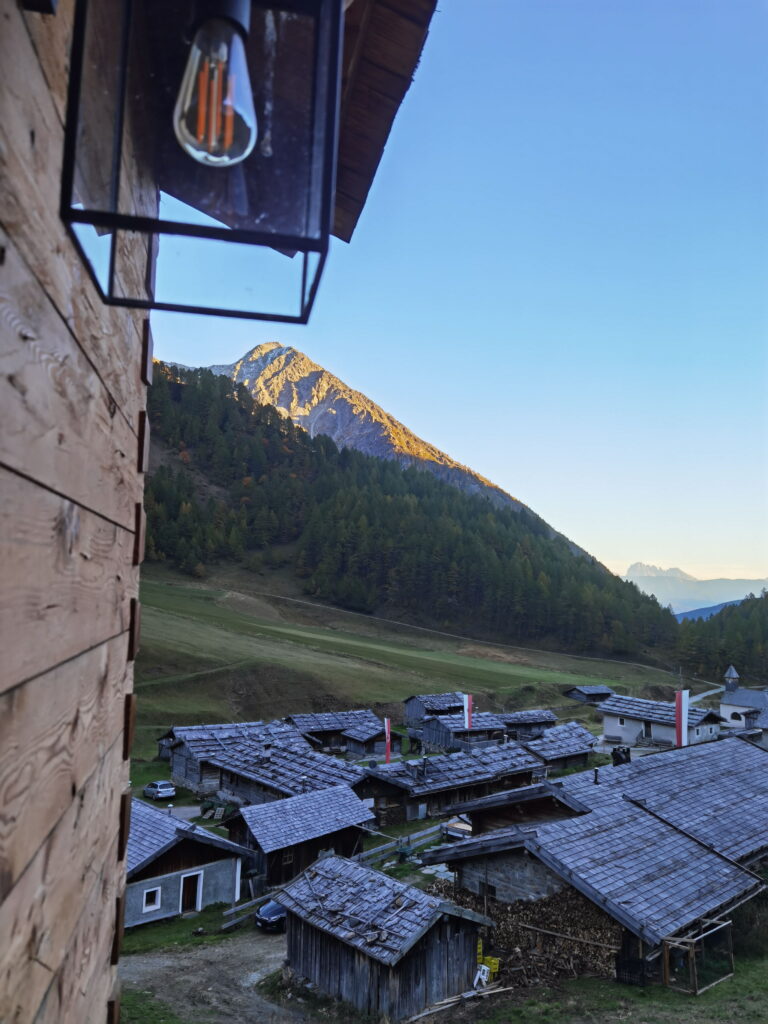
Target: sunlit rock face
x=322, y=404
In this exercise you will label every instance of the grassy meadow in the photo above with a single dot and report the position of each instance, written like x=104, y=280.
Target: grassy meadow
x=223, y=650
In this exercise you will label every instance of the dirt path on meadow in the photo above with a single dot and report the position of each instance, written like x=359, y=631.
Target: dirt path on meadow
x=213, y=984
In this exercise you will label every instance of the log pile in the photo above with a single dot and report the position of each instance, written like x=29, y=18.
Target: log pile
x=563, y=935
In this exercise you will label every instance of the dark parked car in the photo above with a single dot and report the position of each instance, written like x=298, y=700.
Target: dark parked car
x=161, y=790
x=271, y=917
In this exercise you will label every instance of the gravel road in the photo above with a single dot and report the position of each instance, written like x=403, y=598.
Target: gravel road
x=213, y=984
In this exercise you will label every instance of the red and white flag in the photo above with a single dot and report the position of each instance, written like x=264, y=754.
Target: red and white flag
x=681, y=717
x=388, y=738
x=467, y=710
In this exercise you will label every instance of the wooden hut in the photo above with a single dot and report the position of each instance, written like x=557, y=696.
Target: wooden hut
x=189, y=748
x=252, y=775
x=327, y=730
x=563, y=746
x=386, y=948
x=543, y=801
x=289, y=835
x=422, y=789
x=529, y=724
x=661, y=885
x=422, y=705
x=369, y=740
x=450, y=732
x=593, y=694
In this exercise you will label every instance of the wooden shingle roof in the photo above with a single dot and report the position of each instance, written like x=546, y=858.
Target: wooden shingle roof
x=660, y=711
x=566, y=740
x=334, y=721
x=153, y=831
x=716, y=792
x=288, y=771
x=283, y=823
x=449, y=771
x=438, y=701
x=532, y=716
x=204, y=740
x=648, y=875
x=376, y=914
x=482, y=721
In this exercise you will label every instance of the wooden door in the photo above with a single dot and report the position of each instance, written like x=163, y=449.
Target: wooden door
x=190, y=892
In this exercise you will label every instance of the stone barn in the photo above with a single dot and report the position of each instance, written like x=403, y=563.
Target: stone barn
x=386, y=948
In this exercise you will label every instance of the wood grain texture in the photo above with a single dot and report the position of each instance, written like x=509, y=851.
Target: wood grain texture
x=72, y=875
x=85, y=982
x=66, y=583
x=60, y=424
x=53, y=731
x=52, y=40
x=31, y=140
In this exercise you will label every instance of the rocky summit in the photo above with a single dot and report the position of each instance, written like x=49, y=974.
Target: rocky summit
x=319, y=402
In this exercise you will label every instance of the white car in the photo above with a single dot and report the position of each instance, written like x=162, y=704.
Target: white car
x=161, y=790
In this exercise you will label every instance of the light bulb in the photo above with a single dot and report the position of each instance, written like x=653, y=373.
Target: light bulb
x=214, y=117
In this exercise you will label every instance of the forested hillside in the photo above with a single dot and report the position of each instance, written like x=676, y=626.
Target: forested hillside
x=737, y=635
x=367, y=534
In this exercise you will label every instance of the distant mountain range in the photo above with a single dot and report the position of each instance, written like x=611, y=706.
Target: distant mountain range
x=321, y=403
x=685, y=593
x=704, y=613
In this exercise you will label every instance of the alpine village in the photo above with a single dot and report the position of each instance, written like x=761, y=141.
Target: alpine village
x=301, y=719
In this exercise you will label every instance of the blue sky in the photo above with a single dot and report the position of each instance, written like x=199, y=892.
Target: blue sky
x=560, y=274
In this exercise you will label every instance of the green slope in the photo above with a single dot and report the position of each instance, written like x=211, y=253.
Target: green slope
x=215, y=653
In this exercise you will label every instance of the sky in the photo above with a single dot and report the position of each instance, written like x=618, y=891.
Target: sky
x=559, y=277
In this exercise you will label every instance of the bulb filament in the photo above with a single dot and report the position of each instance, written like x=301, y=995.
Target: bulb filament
x=215, y=104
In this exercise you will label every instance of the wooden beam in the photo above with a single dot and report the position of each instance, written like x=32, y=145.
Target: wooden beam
x=72, y=870
x=31, y=142
x=66, y=581
x=60, y=425
x=53, y=729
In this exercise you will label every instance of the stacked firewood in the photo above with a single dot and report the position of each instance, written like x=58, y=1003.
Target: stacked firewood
x=563, y=935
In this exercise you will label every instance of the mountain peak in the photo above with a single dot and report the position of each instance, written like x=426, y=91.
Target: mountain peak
x=641, y=569
x=318, y=401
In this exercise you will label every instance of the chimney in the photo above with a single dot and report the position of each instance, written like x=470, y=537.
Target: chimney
x=424, y=767
x=597, y=777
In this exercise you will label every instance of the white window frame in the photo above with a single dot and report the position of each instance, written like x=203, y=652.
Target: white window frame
x=199, y=898
x=148, y=910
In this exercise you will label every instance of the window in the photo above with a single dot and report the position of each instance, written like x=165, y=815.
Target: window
x=287, y=856
x=151, y=900
x=698, y=731
x=621, y=721
x=735, y=716
x=486, y=889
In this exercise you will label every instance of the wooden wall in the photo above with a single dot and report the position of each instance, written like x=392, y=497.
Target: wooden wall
x=71, y=396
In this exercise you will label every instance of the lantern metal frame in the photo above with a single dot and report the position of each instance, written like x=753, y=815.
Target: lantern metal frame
x=328, y=53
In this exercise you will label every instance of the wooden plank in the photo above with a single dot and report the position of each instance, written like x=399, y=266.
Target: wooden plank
x=67, y=579
x=85, y=982
x=31, y=141
x=53, y=730
x=73, y=869
x=52, y=40
x=59, y=421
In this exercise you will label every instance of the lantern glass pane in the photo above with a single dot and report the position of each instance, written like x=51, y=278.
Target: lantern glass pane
x=161, y=229
x=269, y=190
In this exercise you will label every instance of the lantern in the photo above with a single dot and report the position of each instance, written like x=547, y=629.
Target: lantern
x=199, y=153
